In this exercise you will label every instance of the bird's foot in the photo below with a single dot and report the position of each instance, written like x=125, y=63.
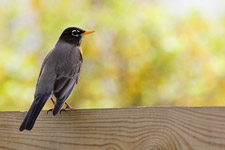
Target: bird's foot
x=68, y=107
x=50, y=110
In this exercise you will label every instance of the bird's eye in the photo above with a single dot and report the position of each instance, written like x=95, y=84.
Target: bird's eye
x=74, y=33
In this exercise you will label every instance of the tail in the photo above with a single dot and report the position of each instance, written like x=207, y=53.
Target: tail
x=33, y=112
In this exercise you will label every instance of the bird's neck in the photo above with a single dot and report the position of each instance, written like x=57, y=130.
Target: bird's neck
x=72, y=43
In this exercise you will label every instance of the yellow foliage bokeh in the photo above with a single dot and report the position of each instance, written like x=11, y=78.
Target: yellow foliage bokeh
x=140, y=54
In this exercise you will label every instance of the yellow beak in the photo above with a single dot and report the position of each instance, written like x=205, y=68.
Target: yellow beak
x=87, y=32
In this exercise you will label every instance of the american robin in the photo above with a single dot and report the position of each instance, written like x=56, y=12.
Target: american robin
x=59, y=74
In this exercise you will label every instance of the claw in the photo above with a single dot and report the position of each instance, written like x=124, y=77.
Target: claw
x=62, y=110
x=68, y=107
x=53, y=103
x=49, y=110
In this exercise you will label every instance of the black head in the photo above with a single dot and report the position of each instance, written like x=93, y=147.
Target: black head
x=74, y=35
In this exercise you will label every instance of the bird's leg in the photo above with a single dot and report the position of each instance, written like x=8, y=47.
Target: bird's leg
x=51, y=108
x=68, y=107
x=53, y=101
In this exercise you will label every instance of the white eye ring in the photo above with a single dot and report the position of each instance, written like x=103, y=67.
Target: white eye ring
x=74, y=33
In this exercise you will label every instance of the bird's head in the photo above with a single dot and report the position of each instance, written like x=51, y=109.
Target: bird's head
x=74, y=35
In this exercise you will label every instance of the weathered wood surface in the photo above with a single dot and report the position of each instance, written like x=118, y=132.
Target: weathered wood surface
x=145, y=128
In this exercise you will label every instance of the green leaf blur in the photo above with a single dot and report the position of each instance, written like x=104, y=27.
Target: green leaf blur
x=140, y=54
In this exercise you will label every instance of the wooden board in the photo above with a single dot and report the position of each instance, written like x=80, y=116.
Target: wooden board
x=143, y=128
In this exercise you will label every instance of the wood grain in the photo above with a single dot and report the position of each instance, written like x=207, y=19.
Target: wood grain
x=142, y=128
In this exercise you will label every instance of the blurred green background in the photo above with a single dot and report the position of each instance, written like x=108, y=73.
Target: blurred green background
x=143, y=53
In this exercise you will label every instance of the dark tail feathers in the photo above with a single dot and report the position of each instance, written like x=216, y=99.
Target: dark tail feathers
x=33, y=112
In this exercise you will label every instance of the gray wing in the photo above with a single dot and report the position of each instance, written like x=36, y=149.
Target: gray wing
x=67, y=77
x=41, y=71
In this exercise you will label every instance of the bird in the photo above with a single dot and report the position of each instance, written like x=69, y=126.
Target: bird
x=59, y=74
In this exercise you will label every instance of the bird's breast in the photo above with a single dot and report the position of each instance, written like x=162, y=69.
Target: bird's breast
x=80, y=49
